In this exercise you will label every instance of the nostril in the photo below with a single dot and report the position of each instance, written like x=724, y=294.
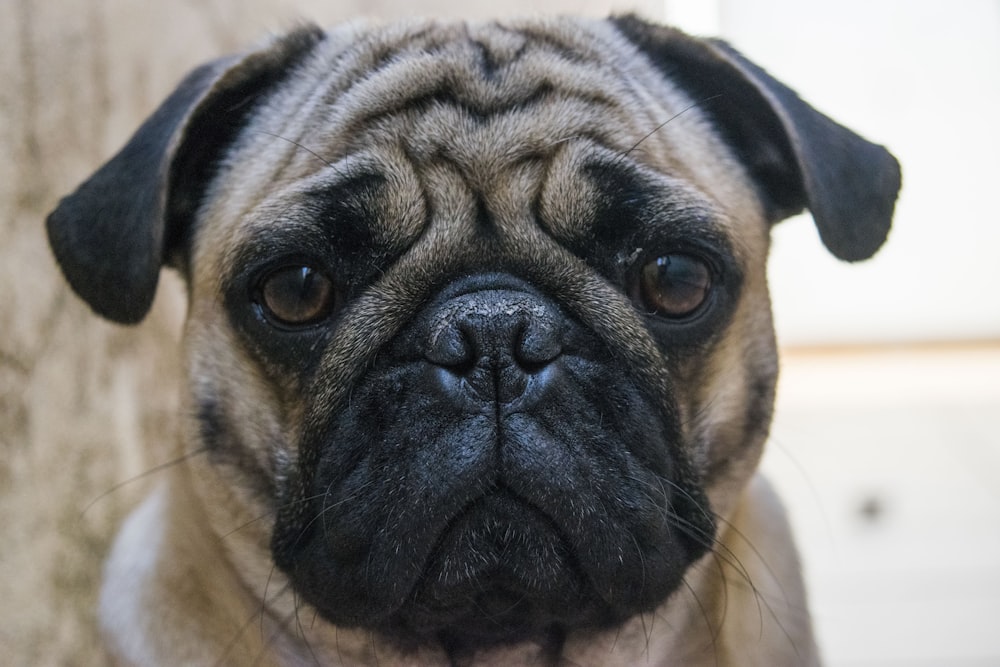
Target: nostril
x=451, y=347
x=494, y=345
x=525, y=344
x=539, y=343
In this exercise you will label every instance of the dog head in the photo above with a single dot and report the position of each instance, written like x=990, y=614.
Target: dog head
x=478, y=314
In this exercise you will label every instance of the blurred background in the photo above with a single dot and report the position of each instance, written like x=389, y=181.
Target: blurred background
x=885, y=447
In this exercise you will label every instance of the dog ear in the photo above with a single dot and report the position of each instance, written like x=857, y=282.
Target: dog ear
x=797, y=157
x=112, y=235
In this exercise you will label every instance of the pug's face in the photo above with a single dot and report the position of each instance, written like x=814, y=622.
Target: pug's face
x=478, y=321
x=492, y=342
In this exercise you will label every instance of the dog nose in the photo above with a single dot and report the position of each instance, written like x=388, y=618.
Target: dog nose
x=495, y=345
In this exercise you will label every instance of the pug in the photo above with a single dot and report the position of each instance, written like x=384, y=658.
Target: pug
x=479, y=356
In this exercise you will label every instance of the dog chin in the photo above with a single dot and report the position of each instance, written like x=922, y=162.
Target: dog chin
x=501, y=573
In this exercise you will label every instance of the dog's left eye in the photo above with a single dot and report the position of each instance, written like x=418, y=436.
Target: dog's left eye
x=296, y=295
x=674, y=286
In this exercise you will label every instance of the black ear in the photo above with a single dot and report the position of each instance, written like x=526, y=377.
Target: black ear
x=798, y=157
x=121, y=225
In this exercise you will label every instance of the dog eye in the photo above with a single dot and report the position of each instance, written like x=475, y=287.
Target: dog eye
x=674, y=286
x=297, y=295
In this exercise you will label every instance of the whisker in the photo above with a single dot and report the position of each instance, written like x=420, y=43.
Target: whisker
x=713, y=630
x=301, y=146
x=267, y=514
x=302, y=630
x=258, y=614
x=723, y=555
x=143, y=475
x=263, y=599
x=762, y=598
x=659, y=127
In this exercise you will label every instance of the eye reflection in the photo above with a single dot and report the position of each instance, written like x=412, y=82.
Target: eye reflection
x=674, y=286
x=297, y=295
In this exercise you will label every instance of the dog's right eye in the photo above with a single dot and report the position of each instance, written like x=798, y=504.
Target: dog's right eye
x=296, y=296
x=674, y=286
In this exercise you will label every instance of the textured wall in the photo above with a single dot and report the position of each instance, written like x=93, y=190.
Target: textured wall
x=86, y=405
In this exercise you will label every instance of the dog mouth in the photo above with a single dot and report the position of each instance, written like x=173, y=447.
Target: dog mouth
x=501, y=570
x=513, y=561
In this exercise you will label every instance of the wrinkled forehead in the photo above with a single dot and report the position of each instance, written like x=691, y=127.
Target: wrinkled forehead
x=487, y=96
x=466, y=121
x=481, y=96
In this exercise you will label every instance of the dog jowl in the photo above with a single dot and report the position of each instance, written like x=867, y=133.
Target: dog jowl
x=479, y=351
